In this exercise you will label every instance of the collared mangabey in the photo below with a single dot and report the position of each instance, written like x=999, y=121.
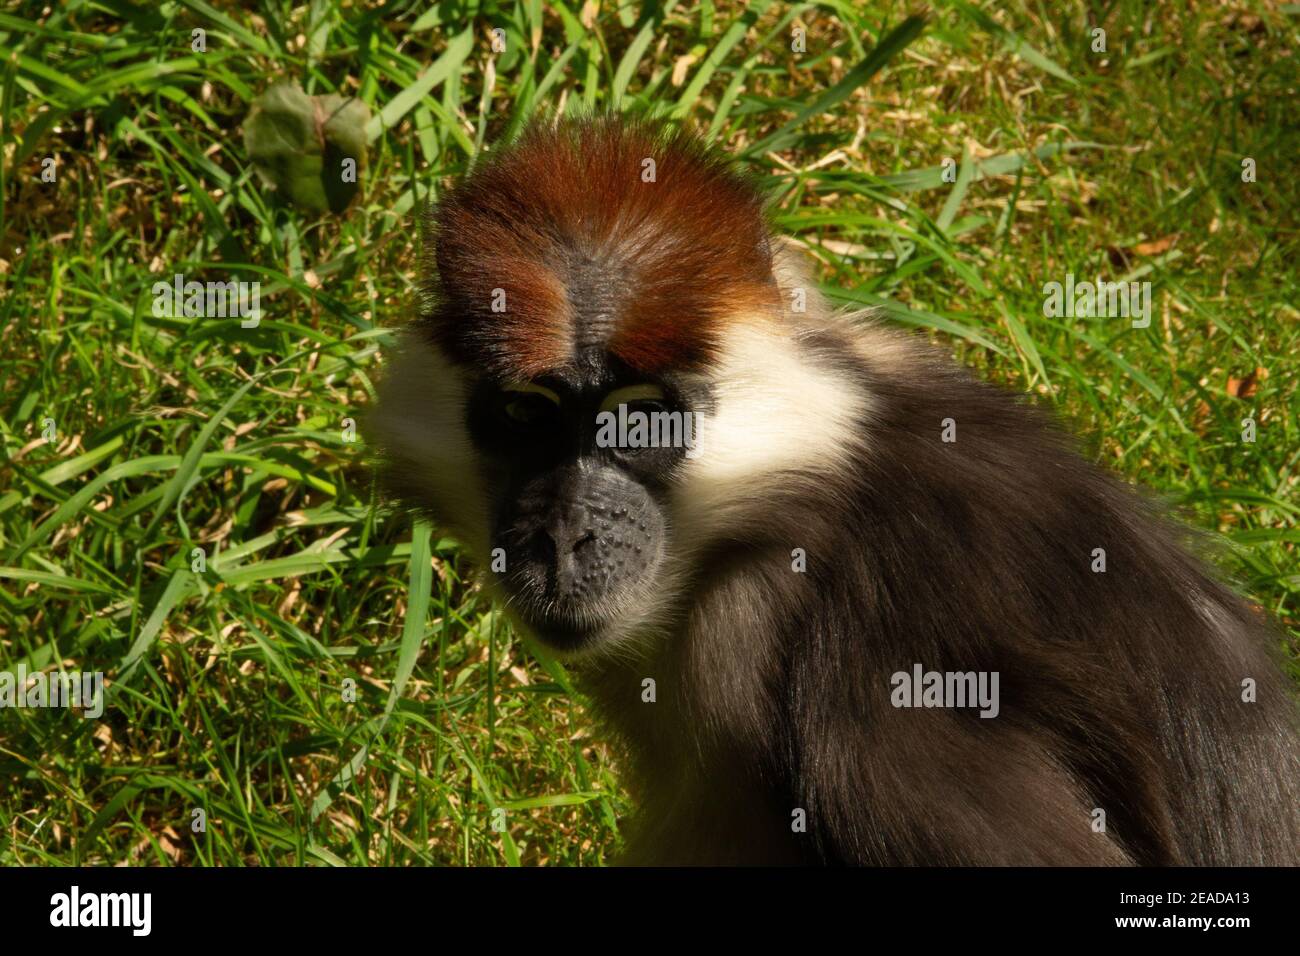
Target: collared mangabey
x=852, y=510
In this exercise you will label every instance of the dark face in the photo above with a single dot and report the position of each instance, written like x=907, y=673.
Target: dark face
x=579, y=528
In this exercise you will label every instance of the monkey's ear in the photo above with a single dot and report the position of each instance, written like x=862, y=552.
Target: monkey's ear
x=792, y=267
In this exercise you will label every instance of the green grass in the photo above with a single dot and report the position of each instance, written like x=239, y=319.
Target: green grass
x=227, y=686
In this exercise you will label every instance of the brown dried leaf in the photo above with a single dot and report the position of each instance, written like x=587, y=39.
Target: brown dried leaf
x=1246, y=387
x=1155, y=246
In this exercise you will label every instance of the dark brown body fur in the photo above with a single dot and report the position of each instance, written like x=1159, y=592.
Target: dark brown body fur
x=1120, y=690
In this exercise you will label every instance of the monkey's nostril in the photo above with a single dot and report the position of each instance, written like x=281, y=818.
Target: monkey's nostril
x=586, y=539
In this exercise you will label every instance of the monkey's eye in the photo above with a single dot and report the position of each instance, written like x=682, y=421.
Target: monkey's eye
x=638, y=398
x=529, y=405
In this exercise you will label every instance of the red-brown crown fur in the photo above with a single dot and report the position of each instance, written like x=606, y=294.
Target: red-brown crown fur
x=589, y=254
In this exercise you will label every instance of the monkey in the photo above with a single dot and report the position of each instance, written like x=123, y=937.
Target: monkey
x=853, y=509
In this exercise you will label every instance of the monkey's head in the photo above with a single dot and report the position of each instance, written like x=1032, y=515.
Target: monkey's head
x=604, y=374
